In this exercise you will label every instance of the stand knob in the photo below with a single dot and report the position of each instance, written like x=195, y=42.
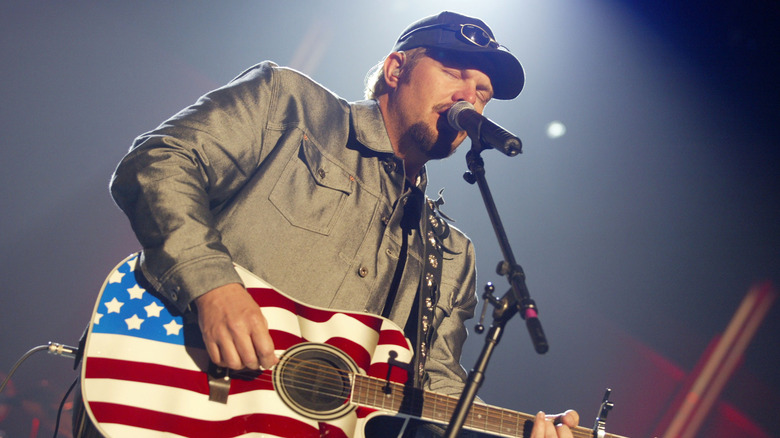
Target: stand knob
x=486, y=298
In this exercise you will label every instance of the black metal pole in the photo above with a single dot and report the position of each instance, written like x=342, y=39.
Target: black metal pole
x=517, y=299
x=519, y=296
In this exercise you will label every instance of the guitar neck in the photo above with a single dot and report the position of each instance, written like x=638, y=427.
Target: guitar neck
x=399, y=399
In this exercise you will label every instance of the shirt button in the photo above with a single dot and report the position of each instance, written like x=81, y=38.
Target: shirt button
x=363, y=271
x=321, y=173
x=385, y=220
x=175, y=293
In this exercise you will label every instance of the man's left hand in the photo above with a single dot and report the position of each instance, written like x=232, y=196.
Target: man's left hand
x=555, y=426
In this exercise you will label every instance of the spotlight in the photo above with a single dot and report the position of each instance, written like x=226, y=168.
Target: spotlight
x=556, y=129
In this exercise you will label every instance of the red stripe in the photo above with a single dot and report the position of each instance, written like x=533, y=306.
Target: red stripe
x=196, y=381
x=284, y=340
x=363, y=412
x=358, y=353
x=270, y=298
x=393, y=337
x=397, y=374
x=103, y=368
x=190, y=427
x=354, y=350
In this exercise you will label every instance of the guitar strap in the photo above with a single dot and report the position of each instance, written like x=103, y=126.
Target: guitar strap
x=433, y=230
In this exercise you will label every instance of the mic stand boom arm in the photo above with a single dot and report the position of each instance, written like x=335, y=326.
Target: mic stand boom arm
x=517, y=299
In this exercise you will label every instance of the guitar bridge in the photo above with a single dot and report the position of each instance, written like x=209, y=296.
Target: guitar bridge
x=219, y=384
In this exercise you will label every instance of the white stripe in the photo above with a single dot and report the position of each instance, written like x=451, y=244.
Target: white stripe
x=183, y=402
x=123, y=431
x=342, y=326
x=128, y=348
x=339, y=325
x=382, y=354
x=194, y=405
x=252, y=280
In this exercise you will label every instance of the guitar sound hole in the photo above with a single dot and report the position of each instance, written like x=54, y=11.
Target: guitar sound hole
x=314, y=380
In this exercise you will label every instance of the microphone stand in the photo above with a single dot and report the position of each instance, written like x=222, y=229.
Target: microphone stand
x=517, y=299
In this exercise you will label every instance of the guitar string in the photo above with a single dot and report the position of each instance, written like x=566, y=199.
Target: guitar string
x=332, y=379
x=494, y=417
x=378, y=384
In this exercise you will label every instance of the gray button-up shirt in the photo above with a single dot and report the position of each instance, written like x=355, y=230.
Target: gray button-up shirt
x=275, y=173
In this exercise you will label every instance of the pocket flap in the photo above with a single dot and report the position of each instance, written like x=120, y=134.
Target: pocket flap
x=325, y=171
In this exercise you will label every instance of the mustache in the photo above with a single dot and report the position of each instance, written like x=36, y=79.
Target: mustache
x=442, y=107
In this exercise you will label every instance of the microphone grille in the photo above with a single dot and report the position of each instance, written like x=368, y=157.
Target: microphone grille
x=455, y=110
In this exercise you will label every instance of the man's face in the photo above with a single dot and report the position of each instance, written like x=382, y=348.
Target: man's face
x=426, y=93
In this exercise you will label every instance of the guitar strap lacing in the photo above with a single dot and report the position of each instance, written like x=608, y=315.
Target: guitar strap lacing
x=433, y=230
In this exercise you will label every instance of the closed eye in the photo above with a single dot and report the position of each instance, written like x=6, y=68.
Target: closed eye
x=484, y=97
x=452, y=73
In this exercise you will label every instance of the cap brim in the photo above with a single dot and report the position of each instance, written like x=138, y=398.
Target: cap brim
x=505, y=71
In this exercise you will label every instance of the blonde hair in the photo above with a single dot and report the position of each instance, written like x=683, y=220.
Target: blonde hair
x=375, y=84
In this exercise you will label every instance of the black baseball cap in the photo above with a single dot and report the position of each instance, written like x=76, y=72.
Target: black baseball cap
x=473, y=38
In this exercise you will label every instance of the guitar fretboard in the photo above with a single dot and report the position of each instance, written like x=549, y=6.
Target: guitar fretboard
x=397, y=398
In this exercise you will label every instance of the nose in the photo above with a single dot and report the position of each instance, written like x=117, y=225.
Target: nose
x=467, y=91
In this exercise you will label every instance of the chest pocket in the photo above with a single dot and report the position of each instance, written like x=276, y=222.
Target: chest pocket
x=312, y=190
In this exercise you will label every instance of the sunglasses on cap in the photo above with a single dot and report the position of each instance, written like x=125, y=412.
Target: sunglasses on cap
x=470, y=33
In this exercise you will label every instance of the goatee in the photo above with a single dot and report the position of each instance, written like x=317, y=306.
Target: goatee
x=433, y=146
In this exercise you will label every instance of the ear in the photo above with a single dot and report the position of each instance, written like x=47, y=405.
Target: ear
x=392, y=68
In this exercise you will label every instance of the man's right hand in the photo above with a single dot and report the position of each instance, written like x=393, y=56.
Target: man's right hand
x=234, y=329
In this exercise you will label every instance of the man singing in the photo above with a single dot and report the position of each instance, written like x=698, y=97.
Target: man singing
x=322, y=198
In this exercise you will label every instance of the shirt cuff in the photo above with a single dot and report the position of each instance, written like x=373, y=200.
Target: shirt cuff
x=188, y=280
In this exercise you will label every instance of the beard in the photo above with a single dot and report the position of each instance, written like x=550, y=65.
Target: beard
x=434, y=146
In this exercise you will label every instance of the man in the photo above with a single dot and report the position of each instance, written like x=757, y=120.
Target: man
x=322, y=198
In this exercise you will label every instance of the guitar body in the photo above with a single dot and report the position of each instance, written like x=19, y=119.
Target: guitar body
x=146, y=371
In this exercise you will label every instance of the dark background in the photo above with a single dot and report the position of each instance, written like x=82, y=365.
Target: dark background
x=640, y=230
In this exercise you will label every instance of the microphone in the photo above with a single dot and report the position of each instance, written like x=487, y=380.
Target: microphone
x=463, y=117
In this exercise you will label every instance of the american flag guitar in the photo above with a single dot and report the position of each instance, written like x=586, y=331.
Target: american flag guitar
x=146, y=373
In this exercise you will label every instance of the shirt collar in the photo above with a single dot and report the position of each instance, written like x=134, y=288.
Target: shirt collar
x=370, y=126
x=370, y=131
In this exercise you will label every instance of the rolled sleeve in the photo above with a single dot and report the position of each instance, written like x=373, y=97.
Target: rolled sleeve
x=175, y=179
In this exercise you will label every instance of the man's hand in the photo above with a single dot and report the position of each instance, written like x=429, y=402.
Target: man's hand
x=555, y=426
x=234, y=329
